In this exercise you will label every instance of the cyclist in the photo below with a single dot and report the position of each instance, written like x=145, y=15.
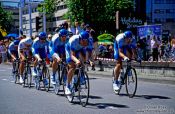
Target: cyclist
x=13, y=49
x=24, y=50
x=124, y=48
x=40, y=49
x=57, y=50
x=76, y=49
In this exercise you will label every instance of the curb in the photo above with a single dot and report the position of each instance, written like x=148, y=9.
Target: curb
x=154, y=79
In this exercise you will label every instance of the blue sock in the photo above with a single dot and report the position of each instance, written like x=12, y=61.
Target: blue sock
x=53, y=74
x=35, y=69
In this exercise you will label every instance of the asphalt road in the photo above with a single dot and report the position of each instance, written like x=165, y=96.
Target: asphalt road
x=151, y=98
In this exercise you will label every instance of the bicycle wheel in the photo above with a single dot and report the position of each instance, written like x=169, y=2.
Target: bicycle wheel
x=83, y=88
x=25, y=78
x=46, y=79
x=13, y=72
x=131, y=82
x=37, y=82
x=73, y=88
x=16, y=73
x=29, y=76
x=56, y=86
x=64, y=79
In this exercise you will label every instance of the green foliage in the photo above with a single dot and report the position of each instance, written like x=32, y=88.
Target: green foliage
x=105, y=37
x=98, y=12
x=5, y=19
x=49, y=6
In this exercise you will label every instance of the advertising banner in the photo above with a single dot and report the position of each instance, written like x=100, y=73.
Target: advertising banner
x=143, y=31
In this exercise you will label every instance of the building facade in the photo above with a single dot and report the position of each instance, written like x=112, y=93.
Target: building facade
x=161, y=12
x=51, y=22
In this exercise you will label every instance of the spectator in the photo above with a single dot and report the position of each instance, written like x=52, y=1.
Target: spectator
x=148, y=47
x=154, y=47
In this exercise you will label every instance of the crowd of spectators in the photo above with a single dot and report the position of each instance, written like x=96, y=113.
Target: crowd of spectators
x=155, y=49
x=150, y=48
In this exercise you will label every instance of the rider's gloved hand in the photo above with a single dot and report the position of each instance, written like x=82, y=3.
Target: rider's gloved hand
x=78, y=63
x=126, y=58
x=39, y=59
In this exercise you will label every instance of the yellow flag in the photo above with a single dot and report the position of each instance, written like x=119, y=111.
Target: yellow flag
x=3, y=32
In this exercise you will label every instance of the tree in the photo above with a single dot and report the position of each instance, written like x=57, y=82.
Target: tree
x=5, y=20
x=99, y=12
x=49, y=6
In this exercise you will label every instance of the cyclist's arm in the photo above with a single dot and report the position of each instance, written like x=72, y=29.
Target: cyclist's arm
x=35, y=51
x=121, y=54
x=22, y=55
x=52, y=50
x=74, y=57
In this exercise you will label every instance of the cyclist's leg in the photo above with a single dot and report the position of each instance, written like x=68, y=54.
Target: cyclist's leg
x=21, y=66
x=117, y=68
x=70, y=74
x=54, y=68
x=35, y=67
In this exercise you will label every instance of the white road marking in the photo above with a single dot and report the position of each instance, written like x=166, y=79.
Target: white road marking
x=4, y=79
x=111, y=107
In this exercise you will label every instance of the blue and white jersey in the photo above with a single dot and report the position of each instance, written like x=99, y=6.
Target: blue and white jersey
x=120, y=43
x=40, y=48
x=74, y=45
x=56, y=46
x=12, y=48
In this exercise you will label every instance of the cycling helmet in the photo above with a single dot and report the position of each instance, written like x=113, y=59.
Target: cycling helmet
x=16, y=42
x=62, y=32
x=28, y=41
x=128, y=34
x=84, y=35
x=42, y=35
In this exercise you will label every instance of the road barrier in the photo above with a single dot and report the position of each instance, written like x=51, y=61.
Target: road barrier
x=163, y=69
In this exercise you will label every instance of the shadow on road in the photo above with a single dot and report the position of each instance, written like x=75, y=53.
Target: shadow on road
x=94, y=97
x=101, y=105
x=105, y=105
x=147, y=96
x=152, y=97
x=92, y=78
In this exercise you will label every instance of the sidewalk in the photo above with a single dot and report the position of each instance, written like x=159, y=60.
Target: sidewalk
x=151, y=78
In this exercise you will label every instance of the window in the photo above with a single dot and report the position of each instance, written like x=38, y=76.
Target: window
x=159, y=1
x=157, y=20
x=15, y=13
x=170, y=20
x=171, y=11
x=159, y=11
x=33, y=20
x=170, y=1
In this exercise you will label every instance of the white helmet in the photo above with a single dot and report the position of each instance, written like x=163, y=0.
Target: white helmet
x=28, y=41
